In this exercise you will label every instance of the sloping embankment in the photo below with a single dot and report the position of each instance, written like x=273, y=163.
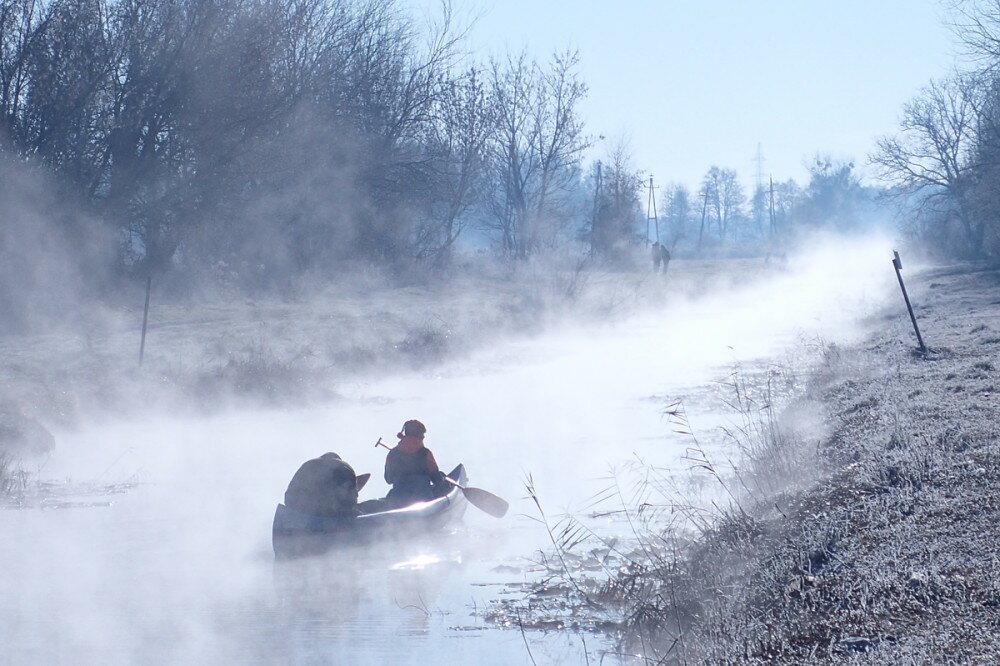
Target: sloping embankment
x=892, y=557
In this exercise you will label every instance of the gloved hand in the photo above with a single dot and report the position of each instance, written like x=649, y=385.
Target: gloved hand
x=441, y=487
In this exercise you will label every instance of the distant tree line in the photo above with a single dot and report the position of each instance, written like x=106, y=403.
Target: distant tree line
x=944, y=163
x=720, y=218
x=262, y=138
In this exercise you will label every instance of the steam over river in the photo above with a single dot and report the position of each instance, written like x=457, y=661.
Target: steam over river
x=179, y=569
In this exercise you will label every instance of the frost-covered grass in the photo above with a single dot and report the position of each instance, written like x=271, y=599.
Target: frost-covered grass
x=641, y=583
x=206, y=350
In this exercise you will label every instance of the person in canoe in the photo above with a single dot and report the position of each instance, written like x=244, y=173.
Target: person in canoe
x=325, y=486
x=411, y=470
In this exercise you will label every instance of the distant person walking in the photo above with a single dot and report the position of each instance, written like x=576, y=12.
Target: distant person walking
x=664, y=257
x=657, y=256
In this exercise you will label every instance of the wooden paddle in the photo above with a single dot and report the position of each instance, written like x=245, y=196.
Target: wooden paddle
x=479, y=498
x=482, y=499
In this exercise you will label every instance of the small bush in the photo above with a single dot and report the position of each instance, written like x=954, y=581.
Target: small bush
x=259, y=374
x=14, y=481
x=425, y=344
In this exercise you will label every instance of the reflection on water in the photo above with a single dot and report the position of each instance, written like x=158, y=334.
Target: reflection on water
x=366, y=600
x=421, y=562
x=179, y=569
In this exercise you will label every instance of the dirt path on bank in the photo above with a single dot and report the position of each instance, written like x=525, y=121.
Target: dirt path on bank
x=892, y=557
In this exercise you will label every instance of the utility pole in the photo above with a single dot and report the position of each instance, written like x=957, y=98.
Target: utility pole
x=651, y=212
x=758, y=192
x=595, y=223
x=704, y=209
x=759, y=159
x=771, y=204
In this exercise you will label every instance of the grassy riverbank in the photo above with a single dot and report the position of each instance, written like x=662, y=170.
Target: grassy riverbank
x=889, y=556
x=851, y=517
x=209, y=352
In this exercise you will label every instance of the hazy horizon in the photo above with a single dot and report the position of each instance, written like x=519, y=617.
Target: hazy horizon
x=700, y=84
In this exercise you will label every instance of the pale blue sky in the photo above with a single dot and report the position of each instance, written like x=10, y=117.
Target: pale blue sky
x=700, y=83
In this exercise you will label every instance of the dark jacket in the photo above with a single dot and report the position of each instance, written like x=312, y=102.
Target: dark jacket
x=412, y=471
x=324, y=486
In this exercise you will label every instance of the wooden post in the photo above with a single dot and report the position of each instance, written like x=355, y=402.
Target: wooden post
x=898, y=265
x=145, y=318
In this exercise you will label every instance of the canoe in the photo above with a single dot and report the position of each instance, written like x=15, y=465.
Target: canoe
x=297, y=534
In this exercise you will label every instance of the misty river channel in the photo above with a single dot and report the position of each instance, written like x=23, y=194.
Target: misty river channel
x=177, y=568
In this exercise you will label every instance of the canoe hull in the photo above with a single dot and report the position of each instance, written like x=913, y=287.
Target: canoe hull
x=295, y=534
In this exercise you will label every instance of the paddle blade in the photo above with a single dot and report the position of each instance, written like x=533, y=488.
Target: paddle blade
x=486, y=501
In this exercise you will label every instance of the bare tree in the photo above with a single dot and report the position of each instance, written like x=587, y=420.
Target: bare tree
x=263, y=136
x=512, y=84
x=976, y=23
x=617, y=203
x=677, y=212
x=535, y=149
x=20, y=22
x=934, y=157
x=559, y=142
x=63, y=85
x=724, y=196
x=393, y=76
x=787, y=196
x=732, y=200
x=711, y=194
x=456, y=144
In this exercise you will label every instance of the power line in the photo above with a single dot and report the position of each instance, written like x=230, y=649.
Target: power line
x=651, y=211
x=760, y=159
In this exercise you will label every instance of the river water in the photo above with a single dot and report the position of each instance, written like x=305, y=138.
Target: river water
x=177, y=567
